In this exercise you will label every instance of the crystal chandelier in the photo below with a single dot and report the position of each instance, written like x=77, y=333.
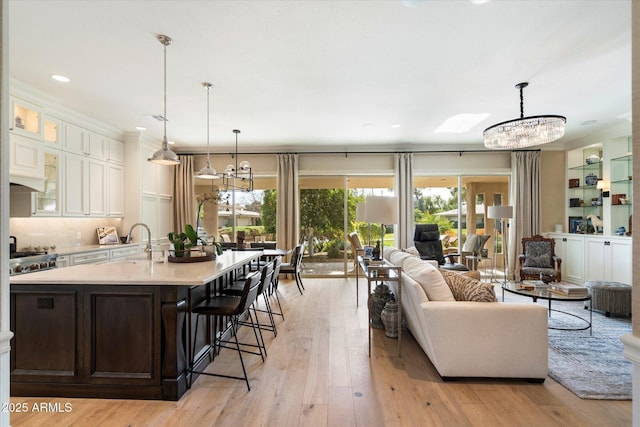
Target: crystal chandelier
x=165, y=156
x=525, y=131
x=238, y=177
x=208, y=172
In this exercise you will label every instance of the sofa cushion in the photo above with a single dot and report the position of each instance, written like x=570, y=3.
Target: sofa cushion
x=429, y=278
x=467, y=289
x=412, y=250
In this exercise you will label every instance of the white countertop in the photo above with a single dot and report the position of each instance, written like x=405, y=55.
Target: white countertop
x=140, y=271
x=70, y=250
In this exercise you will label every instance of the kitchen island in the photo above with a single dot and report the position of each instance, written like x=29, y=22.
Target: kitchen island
x=115, y=330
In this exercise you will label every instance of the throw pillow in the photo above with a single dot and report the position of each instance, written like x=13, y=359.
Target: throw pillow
x=412, y=250
x=471, y=244
x=465, y=288
x=538, y=254
x=429, y=278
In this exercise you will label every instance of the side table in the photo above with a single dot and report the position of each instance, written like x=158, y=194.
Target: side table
x=475, y=260
x=384, y=272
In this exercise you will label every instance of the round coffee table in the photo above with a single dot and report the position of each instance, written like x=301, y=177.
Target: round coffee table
x=541, y=292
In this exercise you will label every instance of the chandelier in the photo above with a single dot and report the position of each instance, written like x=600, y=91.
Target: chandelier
x=237, y=177
x=525, y=131
x=165, y=156
x=208, y=172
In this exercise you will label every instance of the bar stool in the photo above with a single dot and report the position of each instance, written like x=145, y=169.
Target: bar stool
x=294, y=266
x=232, y=307
x=266, y=276
x=273, y=289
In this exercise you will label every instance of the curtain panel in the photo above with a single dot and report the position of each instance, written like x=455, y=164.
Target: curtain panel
x=287, y=209
x=525, y=199
x=404, y=190
x=184, y=193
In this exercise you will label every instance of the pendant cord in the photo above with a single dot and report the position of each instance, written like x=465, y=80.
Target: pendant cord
x=164, y=112
x=521, y=103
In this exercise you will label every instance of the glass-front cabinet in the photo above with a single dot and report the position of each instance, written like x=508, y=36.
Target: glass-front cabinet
x=585, y=189
x=47, y=202
x=27, y=118
x=621, y=187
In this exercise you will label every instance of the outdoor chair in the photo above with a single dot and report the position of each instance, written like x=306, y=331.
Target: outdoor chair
x=426, y=239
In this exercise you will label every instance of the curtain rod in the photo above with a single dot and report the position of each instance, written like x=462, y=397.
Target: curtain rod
x=347, y=153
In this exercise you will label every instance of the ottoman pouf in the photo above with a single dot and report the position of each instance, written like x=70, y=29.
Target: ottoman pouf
x=610, y=297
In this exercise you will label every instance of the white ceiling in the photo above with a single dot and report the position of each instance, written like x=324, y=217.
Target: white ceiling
x=330, y=75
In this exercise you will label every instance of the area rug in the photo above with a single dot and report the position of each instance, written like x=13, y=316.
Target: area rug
x=591, y=366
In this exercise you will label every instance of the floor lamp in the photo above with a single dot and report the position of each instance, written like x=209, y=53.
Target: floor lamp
x=382, y=210
x=503, y=213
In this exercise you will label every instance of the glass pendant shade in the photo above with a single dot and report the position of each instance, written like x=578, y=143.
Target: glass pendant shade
x=244, y=165
x=525, y=131
x=165, y=156
x=240, y=176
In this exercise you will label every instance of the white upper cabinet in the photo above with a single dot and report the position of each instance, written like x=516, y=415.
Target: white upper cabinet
x=74, y=138
x=26, y=119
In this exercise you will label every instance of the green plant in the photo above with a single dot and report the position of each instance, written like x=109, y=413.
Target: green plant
x=184, y=241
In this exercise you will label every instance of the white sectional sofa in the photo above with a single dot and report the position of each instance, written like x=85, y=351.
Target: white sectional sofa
x=481, y=338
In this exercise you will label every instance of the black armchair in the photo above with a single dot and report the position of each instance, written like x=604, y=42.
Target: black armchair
x=426, y=239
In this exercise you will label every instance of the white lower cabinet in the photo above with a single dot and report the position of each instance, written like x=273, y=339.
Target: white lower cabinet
x=594, y=257
x=92, y=257
x=608, y=259
x=122, y=252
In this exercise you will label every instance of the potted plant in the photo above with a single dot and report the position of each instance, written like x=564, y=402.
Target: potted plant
x=183, y=242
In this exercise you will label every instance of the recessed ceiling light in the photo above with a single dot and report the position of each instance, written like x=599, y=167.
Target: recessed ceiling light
x=60, y=78
x=395, y=125
x=479, y=1
x=461, y=123
x=141, y=128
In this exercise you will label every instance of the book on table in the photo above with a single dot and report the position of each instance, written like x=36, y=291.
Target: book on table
x=568, y=289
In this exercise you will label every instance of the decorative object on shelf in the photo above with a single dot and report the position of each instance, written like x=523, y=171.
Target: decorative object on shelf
x=376, y=251
x=19, y=123
x=380, y=296
x=592, y=159
x=389, y=317
x=240, y=176
x=524, y=131
x=208, y=172
x=621, y=231
x=591, y=179
x=574, y=222
x=616, y=199
x=574, y=202
x=165, y=156
x=596, y=222
x=574, y=183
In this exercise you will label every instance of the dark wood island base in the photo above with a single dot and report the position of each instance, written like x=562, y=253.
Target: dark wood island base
x=107, y=340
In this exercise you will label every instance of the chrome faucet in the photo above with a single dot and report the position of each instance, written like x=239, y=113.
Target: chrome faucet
x=148, y=248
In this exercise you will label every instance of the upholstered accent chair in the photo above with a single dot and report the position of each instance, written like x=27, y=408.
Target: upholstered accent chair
x=538, y=256
x=426, y=239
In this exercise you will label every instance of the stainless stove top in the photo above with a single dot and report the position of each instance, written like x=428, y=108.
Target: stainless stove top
x=29, y=262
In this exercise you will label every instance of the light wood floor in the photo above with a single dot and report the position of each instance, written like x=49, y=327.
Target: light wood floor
x=317, y=373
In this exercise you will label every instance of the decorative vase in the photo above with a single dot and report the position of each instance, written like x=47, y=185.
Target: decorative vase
x=380, y=296
x=591, y=179
x=389, y=318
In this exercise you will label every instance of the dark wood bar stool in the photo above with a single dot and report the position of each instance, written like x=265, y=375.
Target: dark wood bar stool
x=232, y=307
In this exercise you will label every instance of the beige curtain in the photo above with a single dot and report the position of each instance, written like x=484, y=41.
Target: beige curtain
x=404, y=191
x=183, y=194
x=287, y=218
x=525, y=199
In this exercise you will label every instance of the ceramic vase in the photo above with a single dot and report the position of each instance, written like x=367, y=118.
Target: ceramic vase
x=379, y=298
x=389, y=318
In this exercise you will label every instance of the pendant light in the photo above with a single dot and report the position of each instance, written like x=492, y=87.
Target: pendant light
x=240, y=176
x=208, y=172
x=165, y=156
x=525, y=131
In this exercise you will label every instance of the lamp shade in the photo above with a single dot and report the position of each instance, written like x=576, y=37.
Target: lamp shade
x=360, y=207
x=499, y=211
x=381, y=209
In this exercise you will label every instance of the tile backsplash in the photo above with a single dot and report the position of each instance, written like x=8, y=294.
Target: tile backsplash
x=61, y=232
